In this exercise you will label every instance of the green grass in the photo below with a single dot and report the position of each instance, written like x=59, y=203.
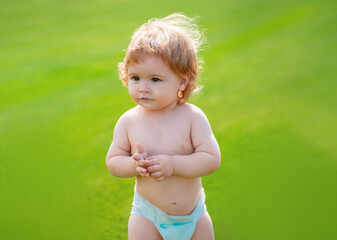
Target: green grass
x=270, y=95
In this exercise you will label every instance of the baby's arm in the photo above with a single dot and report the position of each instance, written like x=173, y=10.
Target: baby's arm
x=119, y=161
x=205, y=159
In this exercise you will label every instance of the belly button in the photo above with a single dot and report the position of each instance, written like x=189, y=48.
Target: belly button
x=174, y=203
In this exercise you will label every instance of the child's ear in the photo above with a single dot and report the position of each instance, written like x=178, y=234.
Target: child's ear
x=184, y=82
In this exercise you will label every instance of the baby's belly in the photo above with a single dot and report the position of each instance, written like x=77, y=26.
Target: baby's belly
x=175, y=195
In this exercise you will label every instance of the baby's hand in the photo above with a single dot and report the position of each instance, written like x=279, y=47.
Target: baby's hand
x=160, y=167
x=140, y=162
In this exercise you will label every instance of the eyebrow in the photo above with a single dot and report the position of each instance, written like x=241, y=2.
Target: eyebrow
x=152, y=75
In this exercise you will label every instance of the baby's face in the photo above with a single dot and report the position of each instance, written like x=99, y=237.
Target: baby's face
x=153, y=85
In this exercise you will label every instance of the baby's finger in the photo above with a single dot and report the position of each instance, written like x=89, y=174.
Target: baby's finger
x=156, y=174
x=141, y=170
x=153, y=168
x=144, y=174
x=153, y=161
x=142, y=163
x=137, y=156
x=139, y=147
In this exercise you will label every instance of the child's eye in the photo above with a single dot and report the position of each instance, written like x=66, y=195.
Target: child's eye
x=155, y=80
x=136, y=78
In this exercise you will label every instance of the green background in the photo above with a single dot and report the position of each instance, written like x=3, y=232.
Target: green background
x=269, y=93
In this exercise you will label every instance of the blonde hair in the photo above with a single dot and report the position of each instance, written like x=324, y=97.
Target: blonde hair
x=176, y=39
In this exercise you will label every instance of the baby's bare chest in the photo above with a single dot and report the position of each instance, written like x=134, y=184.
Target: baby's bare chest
x=157, y=137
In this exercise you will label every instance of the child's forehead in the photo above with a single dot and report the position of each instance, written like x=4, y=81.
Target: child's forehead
x=141, y=57
x=151, y=65
x=148, y=59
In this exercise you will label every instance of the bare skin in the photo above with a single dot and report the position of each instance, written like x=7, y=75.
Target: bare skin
x=175, y=194
x=167, y=146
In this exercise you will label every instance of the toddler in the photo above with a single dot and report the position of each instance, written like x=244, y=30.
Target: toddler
x=165, y=142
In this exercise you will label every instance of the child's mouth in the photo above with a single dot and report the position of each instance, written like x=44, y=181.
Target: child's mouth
x=145, y=99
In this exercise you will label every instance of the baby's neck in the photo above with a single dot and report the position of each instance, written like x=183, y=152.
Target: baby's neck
x=162, y=111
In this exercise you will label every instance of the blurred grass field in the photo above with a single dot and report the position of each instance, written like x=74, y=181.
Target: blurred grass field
x=269, y=93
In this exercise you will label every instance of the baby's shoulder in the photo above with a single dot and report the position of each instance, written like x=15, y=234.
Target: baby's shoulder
x=131, y=112
x=191, y=109
x=194, y=114
x=129, y=115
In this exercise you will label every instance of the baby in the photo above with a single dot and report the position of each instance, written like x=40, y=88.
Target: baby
x=165, y=142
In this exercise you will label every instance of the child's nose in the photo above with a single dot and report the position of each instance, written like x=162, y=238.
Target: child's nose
x=144, y=87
